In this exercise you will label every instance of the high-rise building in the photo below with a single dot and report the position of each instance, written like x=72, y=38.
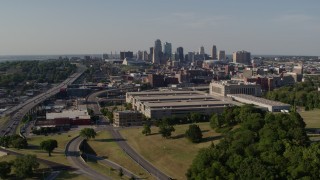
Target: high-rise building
x=145, y=56
x=222, y=55
x=191, y=56
x=151, y=54
x=167, y=50
x=214, y=52
x=243, y=57
x=126, y=54
x=201, y=50
x=139, y=55
x=157, y=52
x=180, y=54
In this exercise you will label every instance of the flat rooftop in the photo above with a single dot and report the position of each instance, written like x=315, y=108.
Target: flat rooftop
x=161, y=93
x=173, y=97
x=259, y=100
x=183, y=103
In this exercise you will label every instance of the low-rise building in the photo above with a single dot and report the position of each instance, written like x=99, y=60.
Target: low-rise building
x=127, y=118
x=272, y=106
x=160, y=104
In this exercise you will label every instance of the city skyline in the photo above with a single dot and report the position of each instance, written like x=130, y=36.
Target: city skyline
x=96, y=27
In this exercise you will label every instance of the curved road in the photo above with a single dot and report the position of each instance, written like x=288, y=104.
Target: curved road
x=73, y=156
x=123, y=144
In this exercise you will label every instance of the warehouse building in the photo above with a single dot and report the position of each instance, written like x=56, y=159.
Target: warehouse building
x=157, y=105
x=272, y=106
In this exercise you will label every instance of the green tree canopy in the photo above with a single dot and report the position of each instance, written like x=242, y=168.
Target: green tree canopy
x=5, y=169
x=25, y=165
x=194, y=133
x=49, y=145
x=88, y=133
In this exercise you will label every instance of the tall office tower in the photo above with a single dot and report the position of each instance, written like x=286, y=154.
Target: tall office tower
x=201, y=50
x=180, y=54
x=214, y=52
x=167, y=50
x=191, y=56
x=145, y=56
x=243, y=57
x=222, y=55
x=157, y=52
x=139, y=55
x=150, y=54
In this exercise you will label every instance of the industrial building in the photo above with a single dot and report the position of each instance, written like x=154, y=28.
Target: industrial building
x=160, y=104
x=223, y=88
x=272, y=106
x=127, y=118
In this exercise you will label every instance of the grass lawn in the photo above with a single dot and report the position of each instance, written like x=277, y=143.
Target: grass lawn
x=57, y=155
x=113, y=173
x=173, y=156
x=3, y=120
x=311, y=118
x=105, y=146
x=71, y=175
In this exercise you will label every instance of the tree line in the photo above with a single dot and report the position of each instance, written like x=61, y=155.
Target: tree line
x=304, y=94
x=51, y=71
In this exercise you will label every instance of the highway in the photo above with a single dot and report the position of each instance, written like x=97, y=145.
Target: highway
x=73, y=156
x=17, y=112
x=123, y=144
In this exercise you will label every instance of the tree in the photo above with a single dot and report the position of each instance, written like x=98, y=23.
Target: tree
x=49, y=145
x=5, y=141
x=120, y=172
x=216, y=121
x=165, y=129
x=88, y=133
x=146, y=129
x=5, y=169
x=18, y=142
x=25, y=165
x=195, y=117
x=194, y=133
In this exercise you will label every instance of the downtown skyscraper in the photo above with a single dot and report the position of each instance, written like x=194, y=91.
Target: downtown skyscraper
x=214, y=52
x=157, y=52
x=167, y=50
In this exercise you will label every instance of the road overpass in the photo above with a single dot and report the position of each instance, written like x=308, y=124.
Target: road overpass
x=17, y=112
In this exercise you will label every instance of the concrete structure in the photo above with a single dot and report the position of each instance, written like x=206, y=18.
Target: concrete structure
x=214, y=52
x=223, y=88
x=222, y=55
x=243, y=57
x=272, y=106
x=127, y=118
x=157, y=105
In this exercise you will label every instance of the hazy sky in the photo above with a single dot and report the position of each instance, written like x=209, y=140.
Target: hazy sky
x=280, y=27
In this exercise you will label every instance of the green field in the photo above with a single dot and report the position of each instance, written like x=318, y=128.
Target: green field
x=3, y=120
x=105, y=146
x=311, y=118
x=173, y=156
x=71, y=176
x=57, y=155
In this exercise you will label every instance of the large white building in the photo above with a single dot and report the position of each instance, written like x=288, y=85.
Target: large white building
x=223, y=88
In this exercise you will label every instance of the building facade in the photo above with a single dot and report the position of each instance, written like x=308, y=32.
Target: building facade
x=223, y=88
x=214, y=52
x=157, y=52
x=222, y=55
x=127, y=118
x=242, y=57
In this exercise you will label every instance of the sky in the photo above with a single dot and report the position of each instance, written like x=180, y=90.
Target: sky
x=262, y=27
